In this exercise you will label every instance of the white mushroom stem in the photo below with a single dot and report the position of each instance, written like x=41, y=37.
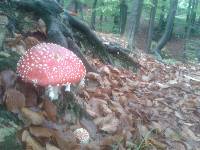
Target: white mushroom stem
x=53, y=92
x=67, y=87
x=82, y=82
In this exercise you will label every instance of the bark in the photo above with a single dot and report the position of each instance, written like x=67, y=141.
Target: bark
x=93, y=17
x=123, y=16
x=162, y=22
x=76, y=7
x=192, y=10
x=151, y=24
x=134, y=22
x=117, y=51
x=169, y=28
x=190, y=20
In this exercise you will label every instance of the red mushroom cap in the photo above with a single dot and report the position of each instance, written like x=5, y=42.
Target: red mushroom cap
x=50, y=64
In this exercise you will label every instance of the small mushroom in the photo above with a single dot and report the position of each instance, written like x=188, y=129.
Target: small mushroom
x=82, y=135
x=51, y=65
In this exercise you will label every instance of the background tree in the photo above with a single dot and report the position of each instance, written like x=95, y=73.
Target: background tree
x=93, y=17
x=169, y=27
x=123, y=16
x=134, y=21
x=151, y=24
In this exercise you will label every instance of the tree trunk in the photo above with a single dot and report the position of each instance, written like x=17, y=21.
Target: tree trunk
x=162, y=22
x=76, y=7
x=101, y=21
x=190, y=20
x=93, y=17
x=123, y=16
x=169, y=27
x=151, y=24
x=134, y=22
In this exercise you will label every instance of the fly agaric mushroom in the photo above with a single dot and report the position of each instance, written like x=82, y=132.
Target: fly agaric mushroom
x=82, y=135
x=50, y=65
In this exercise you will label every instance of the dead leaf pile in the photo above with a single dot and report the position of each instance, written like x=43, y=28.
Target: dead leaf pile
x=156, y=108
x=159, y=97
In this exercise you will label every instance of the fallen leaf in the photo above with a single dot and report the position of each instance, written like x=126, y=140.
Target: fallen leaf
x=108, y=124
x=40, y=132
x=157, y=144
x=14, y=100
x=29, y=92
x=30, y=42
x=51, y=147
x=186, y=132
x=30, y=141
x=89, y=125
x=8, y=78
x=50, y=109
x=105, y=70
x=66, y=140
x=34, y=117
x=93, y=76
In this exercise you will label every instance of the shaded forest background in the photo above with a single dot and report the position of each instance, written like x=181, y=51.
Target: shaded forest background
x=144, y=22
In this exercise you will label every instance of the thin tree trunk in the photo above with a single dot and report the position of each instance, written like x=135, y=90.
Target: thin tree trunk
x=189, y=26
x=134, y=22
x=194, y=12
x=151, y=24
x=123, y=16
x=78, y=7
x=169, y=27
x=161, y=24
x=93, y=18
x=188, y=11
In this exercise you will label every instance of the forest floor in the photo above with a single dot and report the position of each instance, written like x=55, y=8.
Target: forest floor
x=157, y=107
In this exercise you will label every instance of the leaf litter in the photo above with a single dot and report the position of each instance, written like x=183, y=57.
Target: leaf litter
x=158, y=107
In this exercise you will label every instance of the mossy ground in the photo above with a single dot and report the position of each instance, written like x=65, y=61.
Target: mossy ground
x=9, y=125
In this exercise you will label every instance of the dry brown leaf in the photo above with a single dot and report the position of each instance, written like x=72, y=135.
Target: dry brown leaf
x=116, y=107
x=105, y=70
x=115, y=71
x=41, y=26
x=34, y=117
x=40, y=132
x=8, y=78
x=30, y=141
x=157, y=144
x=110, y=140
x=30, y=42
x=66, y=141
x=123, y=100
x=50, y=109
x=93, y=76
x=108, y=124
x=186, y=132
x=105, y=82
x=93, y=106
x=16, y=44
x=105, y=109
x=29, y=92
x=14, y=100
x=51, y=147
x=177, y=145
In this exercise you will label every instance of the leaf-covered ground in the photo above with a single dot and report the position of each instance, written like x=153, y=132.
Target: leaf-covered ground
x=157, y=107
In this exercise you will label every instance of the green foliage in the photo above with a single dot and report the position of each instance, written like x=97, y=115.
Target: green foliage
x=9, y=125
x=8, y=60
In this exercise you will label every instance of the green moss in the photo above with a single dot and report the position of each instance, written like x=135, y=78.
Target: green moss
x=9, y=125
x=8, y=60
